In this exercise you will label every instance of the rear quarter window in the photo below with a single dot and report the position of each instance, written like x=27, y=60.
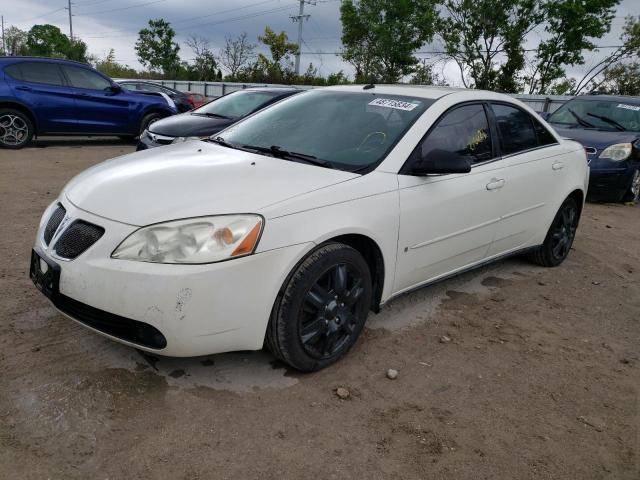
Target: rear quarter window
x=36, y=72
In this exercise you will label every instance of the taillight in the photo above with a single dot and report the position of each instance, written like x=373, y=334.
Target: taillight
x=190, y=100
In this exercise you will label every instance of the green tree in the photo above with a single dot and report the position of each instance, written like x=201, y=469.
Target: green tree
x=205, y=65
x=570, y=27
x=424, y=75
x=485, y=39
x=48, y=41
x=380, y=37
x=156, y=49
x=620, y=79
x=278, y=68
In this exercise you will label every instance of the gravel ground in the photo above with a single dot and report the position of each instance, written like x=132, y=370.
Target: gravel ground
x=508, y=372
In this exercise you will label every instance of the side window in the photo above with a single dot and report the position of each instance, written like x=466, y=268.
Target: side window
x=464, y=131
x=128, y=86
x=85, y=78
x=40, y=72
x=515, y=128
x=544, y=136
x=14, y=71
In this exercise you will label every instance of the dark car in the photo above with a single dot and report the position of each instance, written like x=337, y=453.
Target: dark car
x=213, y=116
x=182, y=100
x=609, y=128
x=46, y=96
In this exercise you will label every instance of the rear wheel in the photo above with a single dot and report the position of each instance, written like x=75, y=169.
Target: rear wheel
x=322, y=309
x=633, y=193
x=16, y=129
x=559, y=239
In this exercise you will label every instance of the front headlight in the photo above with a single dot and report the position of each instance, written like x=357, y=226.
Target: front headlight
x=193, y=240
x=617, y=152
x=186, y=139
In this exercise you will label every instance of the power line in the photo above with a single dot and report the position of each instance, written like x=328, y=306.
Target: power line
x=119, y=9
x=443, y=52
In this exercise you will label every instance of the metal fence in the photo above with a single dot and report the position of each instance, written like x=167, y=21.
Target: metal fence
x=540, y=103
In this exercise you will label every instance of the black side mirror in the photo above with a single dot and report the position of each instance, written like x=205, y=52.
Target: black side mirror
x=115, y=88
x=438, y=162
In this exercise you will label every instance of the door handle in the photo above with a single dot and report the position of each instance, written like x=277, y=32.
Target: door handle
x=558, y=166
x=495, y=184
x=24, y=88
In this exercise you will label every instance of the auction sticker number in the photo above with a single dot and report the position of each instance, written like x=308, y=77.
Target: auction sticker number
x=635, y=108
x=391, y=103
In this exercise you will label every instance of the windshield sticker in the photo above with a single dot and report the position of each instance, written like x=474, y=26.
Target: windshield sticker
x=635, y=108
x=391, y=103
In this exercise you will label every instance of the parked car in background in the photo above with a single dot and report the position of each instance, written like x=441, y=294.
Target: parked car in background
x=46, y=96
x=196, y=99
x=212, y=117
x=184, y=101
x=609, y=128
x=292, y=224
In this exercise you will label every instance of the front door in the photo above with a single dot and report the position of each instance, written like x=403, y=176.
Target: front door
x=447, y=222
x=99, y=109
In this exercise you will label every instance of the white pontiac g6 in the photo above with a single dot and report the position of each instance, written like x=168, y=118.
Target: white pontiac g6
x=288, y=227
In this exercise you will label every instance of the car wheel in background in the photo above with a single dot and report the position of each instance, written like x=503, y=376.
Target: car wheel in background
x=633, y=193
x=322, y=308
x=150, y=119
x=16, y=129
x=560, y=236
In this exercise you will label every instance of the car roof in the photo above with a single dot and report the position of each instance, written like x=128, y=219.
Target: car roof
x=423, y=91
x=282, y=89
x=12, y=59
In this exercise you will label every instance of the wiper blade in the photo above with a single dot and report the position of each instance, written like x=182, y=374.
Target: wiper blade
x=216, y=115
x=223, y=142
x=277, y=152
x=608, y=120
x=580, y=120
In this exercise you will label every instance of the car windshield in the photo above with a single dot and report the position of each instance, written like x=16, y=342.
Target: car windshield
x=237, y=104
x=616, y=115
x=351, y=131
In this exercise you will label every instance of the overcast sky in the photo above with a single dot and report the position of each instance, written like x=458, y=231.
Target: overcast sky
x=106, y=24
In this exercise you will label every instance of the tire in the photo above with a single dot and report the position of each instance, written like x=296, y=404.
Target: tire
x=148, y=119
x=560, y=236
x=633, y=192
x=16, y=129
x=322, y=308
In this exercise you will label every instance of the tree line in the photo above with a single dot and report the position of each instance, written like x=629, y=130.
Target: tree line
x=502, y=45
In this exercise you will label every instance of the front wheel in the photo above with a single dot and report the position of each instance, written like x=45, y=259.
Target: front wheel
x=322, y=309
x=559, y=239
x=16, y=129
x=149, y=119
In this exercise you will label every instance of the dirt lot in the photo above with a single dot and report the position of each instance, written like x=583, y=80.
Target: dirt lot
x=540, y=378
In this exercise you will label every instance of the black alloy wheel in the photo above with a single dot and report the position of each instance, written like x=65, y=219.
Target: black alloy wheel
x=321, y=309
x=560, y=236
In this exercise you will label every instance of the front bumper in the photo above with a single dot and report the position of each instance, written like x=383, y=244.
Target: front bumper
x=151, y=140
x=198, y=309
x=610, y=183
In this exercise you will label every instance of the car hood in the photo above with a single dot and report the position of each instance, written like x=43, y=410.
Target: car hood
x=189, y=125
x=192, y=179
x=596, y=138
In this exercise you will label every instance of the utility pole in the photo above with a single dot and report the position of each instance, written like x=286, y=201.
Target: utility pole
x=300, y=18
x=70, y=21
x=4, y=44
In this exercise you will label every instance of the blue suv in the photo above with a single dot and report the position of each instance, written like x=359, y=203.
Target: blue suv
x=46, y=96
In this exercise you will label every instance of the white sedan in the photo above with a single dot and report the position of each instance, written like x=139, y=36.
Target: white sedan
x=290, y=226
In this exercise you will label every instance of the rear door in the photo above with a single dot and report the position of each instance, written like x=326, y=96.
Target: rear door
x=447, y=222
x=533, y=172
x=100, y=110
x=42, y=87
